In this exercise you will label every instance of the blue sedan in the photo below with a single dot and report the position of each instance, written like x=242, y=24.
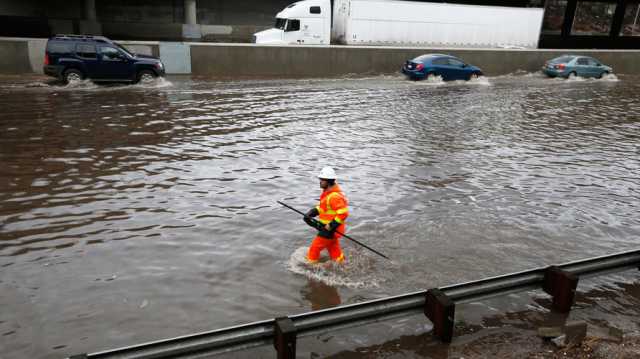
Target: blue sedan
x=448, y=67
x=573, y=65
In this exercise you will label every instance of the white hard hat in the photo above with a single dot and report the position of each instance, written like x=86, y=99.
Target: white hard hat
x=327, y=173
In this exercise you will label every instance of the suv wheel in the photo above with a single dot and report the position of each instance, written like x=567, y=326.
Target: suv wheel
x=146, y=76
x=72, y=75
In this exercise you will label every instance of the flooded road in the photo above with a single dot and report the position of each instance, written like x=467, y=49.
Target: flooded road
x=136, y=213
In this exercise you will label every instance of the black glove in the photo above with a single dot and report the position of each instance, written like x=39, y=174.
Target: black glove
x=322, y=232
x=308, y=218
x=312, y=212
x=311, y=222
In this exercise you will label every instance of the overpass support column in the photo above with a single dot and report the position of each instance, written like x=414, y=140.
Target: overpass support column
x=90, y=24
x=90, y=10
x=190, y=12
x=190, y=28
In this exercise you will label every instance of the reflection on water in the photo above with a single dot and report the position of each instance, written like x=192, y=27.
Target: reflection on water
x=320, y=295
x=133, y=213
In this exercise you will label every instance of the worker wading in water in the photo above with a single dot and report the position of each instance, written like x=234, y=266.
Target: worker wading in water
x=332, y=212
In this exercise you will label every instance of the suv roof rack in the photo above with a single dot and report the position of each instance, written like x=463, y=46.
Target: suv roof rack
x=81, y=37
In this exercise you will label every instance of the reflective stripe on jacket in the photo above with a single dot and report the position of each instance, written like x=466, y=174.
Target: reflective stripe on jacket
x=333, y=206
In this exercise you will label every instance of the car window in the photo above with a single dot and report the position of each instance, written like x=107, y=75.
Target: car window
x=314, y=9
x=124, y=49
x=456, y=63
x=583, y=61
x=293, y=25
x=86, y=51
x=593, y=62
x=58, y=47
x=422, y=58
x=562, y=59
x=109, y=53
x=440, y=61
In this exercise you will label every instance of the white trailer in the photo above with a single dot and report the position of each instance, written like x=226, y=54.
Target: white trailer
x=404, y=23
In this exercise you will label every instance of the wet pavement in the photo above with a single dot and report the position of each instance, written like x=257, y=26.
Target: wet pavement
x=136, y=213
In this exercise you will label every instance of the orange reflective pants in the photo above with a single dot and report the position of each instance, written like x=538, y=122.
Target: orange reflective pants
x=332, y=245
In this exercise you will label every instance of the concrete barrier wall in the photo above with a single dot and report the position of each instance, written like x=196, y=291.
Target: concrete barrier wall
x=15, y=57
x=306, y=61
x=151, y=48
x=37, y=48
x=250, y=60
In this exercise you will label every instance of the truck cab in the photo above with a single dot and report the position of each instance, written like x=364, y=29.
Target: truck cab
x=306, y=22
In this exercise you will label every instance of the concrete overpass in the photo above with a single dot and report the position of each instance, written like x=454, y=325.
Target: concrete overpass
x=165, y=20
x=606, y=24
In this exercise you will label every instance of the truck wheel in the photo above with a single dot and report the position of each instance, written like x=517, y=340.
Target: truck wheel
x=146, y=76
x=72, y=75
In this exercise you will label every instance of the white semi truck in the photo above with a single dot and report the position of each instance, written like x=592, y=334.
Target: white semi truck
x=403, y=23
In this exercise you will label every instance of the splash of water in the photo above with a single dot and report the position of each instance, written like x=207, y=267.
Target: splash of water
x=438, y=81
x=606, y=78
x=82, y=84
x=521, y=73
x=431, y=81
x=89, y=85
x=610, y=78
x=158, y=82
x=355, y=272
x=575, y=78
x=482, y=81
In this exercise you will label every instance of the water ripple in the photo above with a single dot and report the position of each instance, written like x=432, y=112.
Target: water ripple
x=172, y=189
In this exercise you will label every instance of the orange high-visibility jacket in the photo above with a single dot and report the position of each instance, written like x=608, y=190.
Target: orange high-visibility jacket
x=333, y=206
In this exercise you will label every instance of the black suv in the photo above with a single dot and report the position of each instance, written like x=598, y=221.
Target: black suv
x=76, y=57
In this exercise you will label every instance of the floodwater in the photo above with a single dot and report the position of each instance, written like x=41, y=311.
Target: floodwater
x=136, y=213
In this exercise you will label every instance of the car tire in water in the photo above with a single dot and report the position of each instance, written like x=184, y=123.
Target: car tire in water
x=429, y=76
x=572, y=74
x=72, y=75
x=603, y=74
x=145, y=76
x=474, y=76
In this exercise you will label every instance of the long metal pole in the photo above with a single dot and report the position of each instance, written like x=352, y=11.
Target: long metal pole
x=340, y=233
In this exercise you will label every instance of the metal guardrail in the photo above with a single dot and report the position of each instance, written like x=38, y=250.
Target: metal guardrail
x=559, y=281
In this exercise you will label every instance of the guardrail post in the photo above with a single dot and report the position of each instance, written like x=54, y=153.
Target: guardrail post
x=440, y=309
x=285, y=338
x=561, y=285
